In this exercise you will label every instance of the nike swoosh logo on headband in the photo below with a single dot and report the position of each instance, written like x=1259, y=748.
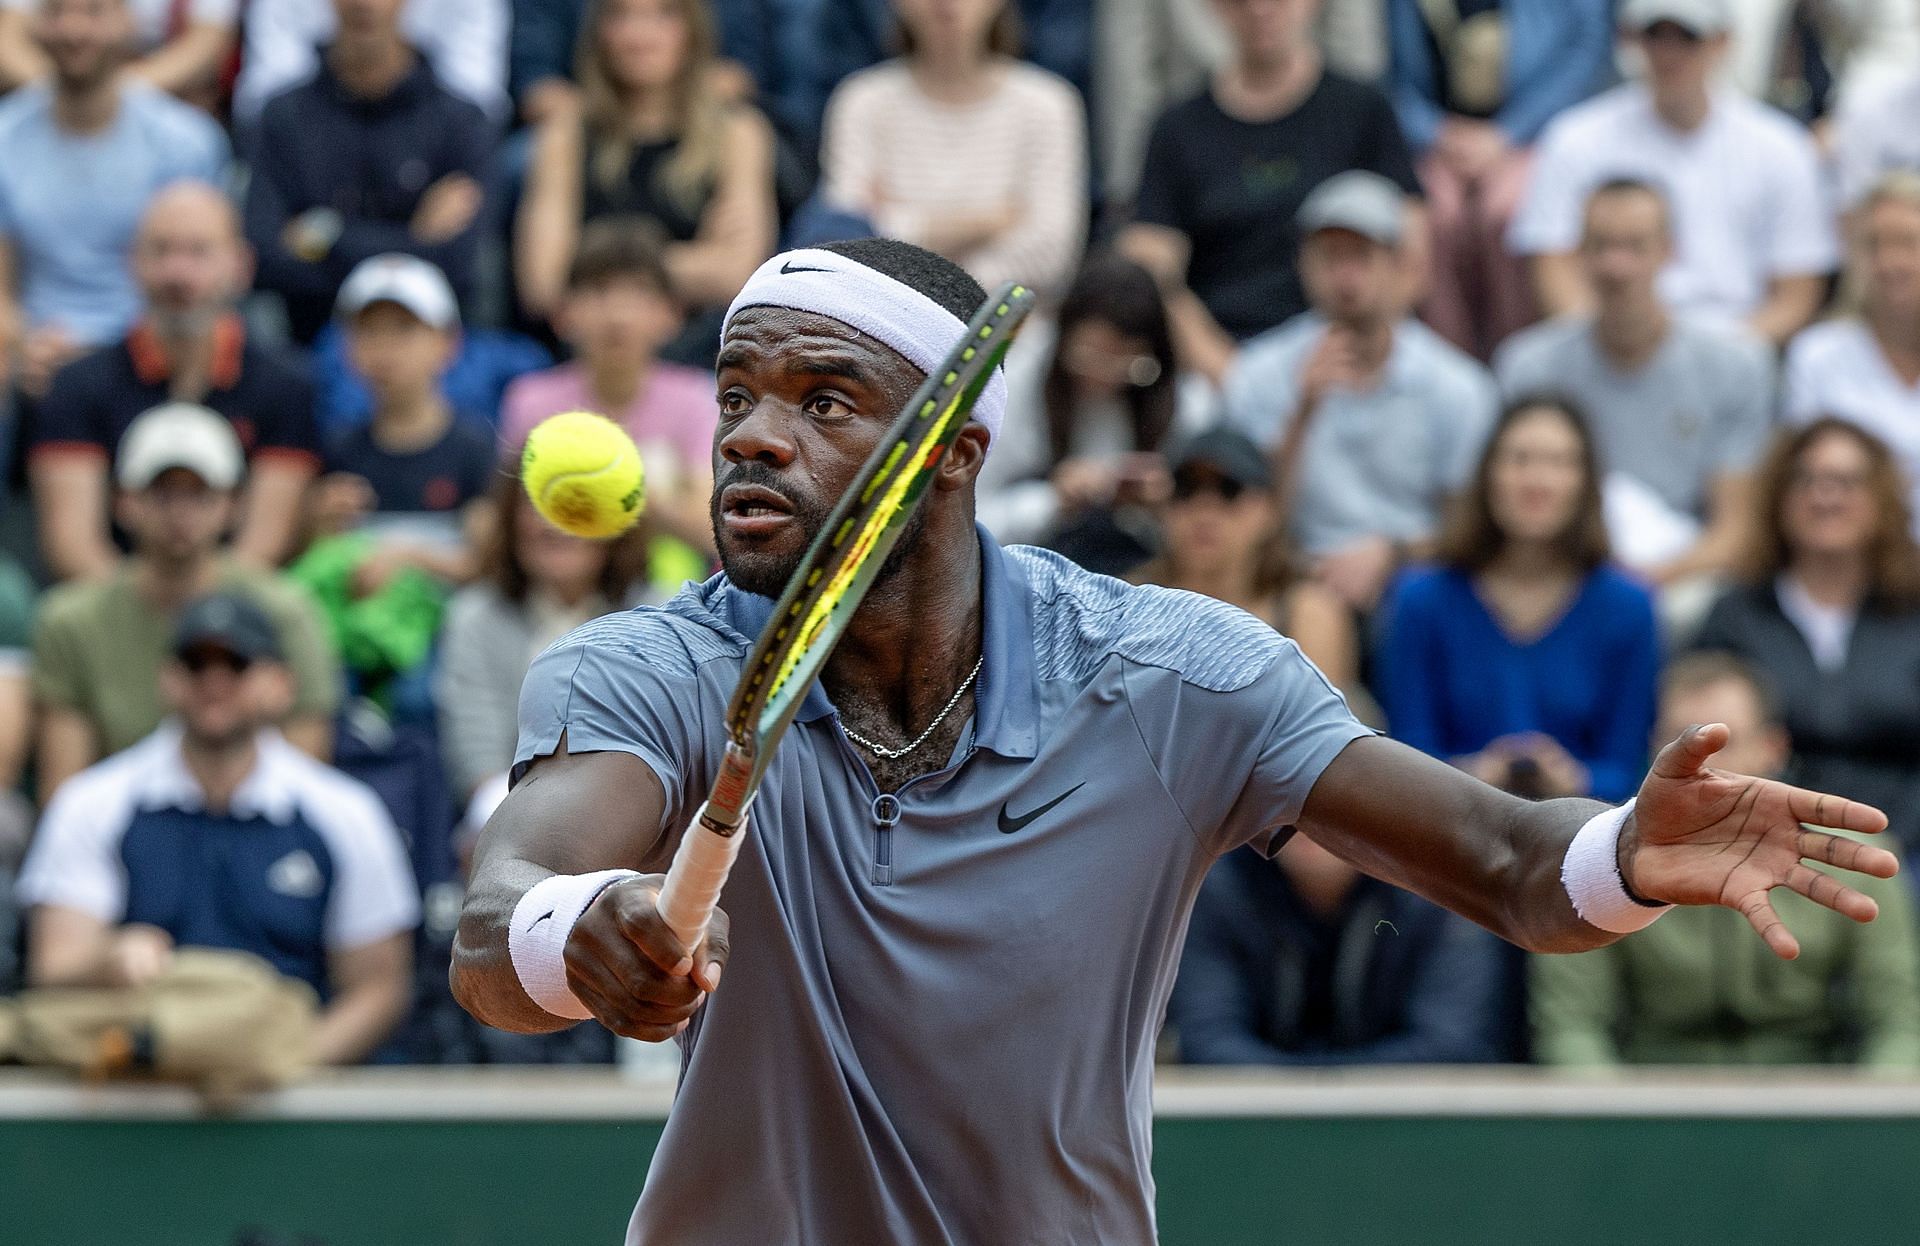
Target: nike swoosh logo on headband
x=789, y=268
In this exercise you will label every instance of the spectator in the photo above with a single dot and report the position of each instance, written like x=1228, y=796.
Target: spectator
x=1475, y=82
x=1304, y=960
x=1522, y=658
x=1876, y=134
x=1802, y=58
x=98, y=645
x=463, y=41
x=1221, y=538
x=370, y=155
x=190, y=345
x=652, y=138
x=416, y=477
x=1753, y=231
x=214, y=832
x=1375, y=420
x=1227, y=172
x=1146, y=55
x=86, y=150
x=536, y=584
x=1829, y=613
x=1093, y=395
x=1680, y=407
x=1865, y=367
x=1697, y=990
x=961, y=149
x=617, y=315
x=180, y=47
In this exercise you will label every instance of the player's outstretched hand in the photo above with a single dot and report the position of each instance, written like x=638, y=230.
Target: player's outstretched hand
x=636, y=976
x=1704, y=836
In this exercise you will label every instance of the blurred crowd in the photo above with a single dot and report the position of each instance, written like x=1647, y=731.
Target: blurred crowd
x=1548, y=370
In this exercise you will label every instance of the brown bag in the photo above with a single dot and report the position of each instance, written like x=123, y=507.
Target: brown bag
x=1476, y=54
x=223, y=1021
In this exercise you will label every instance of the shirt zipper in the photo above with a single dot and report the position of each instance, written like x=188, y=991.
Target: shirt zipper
x=886, y=807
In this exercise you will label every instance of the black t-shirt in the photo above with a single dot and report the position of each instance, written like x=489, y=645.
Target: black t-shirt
x=265, y=394
x=443, y=477
x=1234, y=188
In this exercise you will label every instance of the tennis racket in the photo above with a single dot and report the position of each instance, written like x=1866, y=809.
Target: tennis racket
x=821, y=599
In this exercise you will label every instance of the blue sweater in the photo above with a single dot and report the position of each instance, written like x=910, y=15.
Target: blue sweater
x=1452, y=681
x=1558, y=53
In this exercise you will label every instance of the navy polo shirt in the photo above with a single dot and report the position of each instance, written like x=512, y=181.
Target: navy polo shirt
x=304, y=862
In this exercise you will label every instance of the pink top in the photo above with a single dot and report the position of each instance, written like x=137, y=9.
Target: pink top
x=676, y=406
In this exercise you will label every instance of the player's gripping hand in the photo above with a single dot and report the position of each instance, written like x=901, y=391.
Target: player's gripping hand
x=637, y=977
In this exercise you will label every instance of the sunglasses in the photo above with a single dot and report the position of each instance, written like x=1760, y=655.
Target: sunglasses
x=200, y=661
x=1187, y=488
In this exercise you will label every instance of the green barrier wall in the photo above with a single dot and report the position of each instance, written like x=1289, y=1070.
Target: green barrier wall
x=1315, y=1181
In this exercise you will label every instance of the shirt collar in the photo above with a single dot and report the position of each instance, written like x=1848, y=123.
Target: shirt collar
x=166, y=783
x=154, y=366
x=1006, y=701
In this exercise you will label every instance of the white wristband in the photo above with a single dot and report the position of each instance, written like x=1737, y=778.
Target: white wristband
x=1591, y=875
x=537, y=936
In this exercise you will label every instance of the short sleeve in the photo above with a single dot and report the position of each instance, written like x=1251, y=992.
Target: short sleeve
x=1160, y=178
x=59, y=667
x=289, y=425
x=607, y=697
x=1386, y=151
x=75, y=861
x=1240, y=763
x=1548, y=220
x=1468, y=425
x=374, y=894
x=1259, y=393
x=1802, y=239
x=1802, y=380
x=1746, y=406
x=309, y=650
x=66, y=414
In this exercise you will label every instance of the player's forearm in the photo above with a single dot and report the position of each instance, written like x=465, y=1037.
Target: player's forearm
x=482, y=975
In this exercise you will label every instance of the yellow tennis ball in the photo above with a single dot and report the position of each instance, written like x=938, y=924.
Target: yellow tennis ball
x=584, y=474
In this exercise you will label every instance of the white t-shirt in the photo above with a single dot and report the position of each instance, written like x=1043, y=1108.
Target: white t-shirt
x=1874, y=135
x=153, y=19
x=1748, y=199
x=1836, y=368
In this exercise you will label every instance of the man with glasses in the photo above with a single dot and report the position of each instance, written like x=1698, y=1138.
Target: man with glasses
x=215, y=832
x=98, y=643
x=1753, y=229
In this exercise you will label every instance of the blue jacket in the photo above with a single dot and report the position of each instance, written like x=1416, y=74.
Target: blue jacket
x=1392, y=979
x=1559, y=52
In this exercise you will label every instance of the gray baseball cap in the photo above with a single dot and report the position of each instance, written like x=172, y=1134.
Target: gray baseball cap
x=1702, y=18
x=1359, y=202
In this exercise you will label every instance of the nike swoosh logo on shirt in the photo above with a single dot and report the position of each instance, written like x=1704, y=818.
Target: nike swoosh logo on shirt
x=1010, y=823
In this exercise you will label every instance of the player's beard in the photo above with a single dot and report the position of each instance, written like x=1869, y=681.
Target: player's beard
x=766, y=573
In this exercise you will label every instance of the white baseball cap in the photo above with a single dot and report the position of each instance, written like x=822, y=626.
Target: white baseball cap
x=1701, y=18
x=180, y=434
x=1359, y=202
x=407, y=280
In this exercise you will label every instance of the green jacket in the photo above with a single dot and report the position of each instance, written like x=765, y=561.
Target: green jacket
x=1699, y=987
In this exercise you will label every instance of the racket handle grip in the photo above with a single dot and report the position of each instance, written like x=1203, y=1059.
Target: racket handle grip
x=699, y=870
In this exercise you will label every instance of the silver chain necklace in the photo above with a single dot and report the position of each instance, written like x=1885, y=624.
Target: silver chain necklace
x=894, y=754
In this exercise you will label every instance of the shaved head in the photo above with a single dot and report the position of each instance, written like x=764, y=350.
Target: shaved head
x=190, y=258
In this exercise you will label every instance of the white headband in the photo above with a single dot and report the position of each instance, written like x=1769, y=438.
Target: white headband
x=872, y=303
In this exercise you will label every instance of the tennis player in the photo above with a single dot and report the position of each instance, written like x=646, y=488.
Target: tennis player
x=951, y=932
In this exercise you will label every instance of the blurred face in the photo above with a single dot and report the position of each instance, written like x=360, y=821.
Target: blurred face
x=399, y=355
x=1214, y=525
x=1105, y=362
x=1625, y=245
x=190, y=260
x=1680, y=64
x=644, y=42
x=1264, y=31
x=85, y=39
x=949, y=23
x=1536, y=477
x=221, y=698
x=1349, y=279
x=1828, y=508
x=565, y=566
x=1756, y=746
x=362, y=18
x=622, y=320
x=1890, y=249
x=176, y=519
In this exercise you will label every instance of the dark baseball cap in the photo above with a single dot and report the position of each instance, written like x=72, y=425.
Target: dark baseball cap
x=231, y=622
x=1229, y=454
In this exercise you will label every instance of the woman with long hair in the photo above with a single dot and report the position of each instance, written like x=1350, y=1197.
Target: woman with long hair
x=1093, y=399
x=653, y=136
x=1523, y=657
x=1829, y=612
x=960, y=148
x=1221, y=537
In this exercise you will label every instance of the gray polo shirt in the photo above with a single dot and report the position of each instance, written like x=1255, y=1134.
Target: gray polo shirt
x=1702, y=407
x=1380, y=462
x=938, y=1022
